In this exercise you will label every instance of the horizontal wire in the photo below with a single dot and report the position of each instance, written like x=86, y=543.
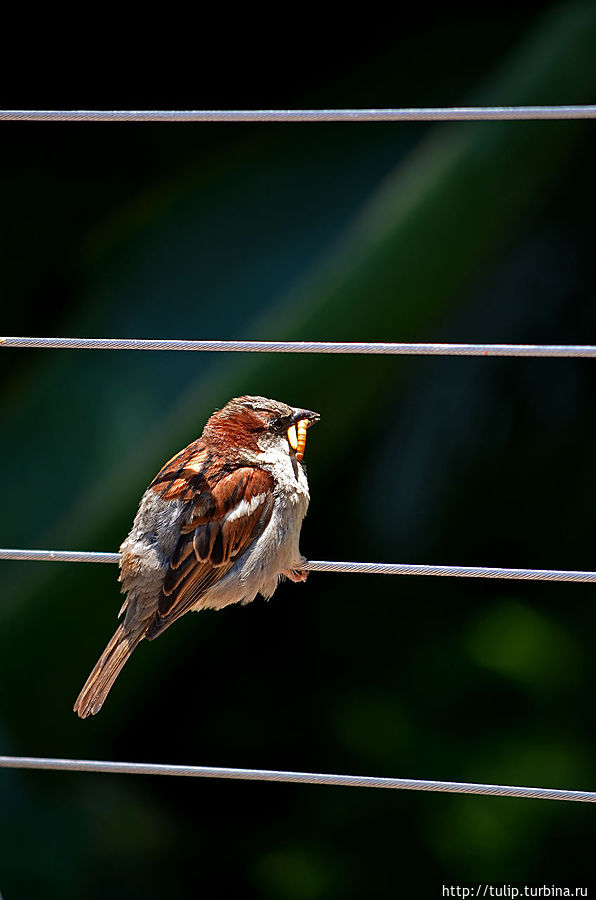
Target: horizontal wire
x=409, y=784
x=398, y=349
x=416, y=114
x=60, y=556
x=363, y=568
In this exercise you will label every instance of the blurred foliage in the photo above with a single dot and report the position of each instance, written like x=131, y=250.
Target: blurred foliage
x=454, y=232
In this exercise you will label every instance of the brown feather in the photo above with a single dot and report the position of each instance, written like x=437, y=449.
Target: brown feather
x=106, y=670
x=209, y=545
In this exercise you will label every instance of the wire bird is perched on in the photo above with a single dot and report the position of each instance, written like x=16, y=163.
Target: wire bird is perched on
x=219, y=524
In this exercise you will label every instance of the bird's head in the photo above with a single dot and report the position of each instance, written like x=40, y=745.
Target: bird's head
x=260, y=424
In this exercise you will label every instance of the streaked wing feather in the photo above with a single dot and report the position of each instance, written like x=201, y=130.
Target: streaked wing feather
x=218, y=531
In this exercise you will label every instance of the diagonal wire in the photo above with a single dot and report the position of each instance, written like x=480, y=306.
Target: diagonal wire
x=410, y=784
x=363, y=568
x=416, y=114
x=398, y=349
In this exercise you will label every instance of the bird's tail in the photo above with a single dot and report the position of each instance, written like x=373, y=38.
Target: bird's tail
x=106, y=671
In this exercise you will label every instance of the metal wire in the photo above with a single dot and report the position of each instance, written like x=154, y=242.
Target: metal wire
x=363, y=568
x=398, y=349
x=60, y=556
x=367, y=568
x=409, y=784
x=433, y=114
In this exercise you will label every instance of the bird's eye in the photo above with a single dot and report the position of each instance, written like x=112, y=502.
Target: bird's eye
x=277, y=425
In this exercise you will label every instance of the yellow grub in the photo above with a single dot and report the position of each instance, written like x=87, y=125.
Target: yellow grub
x=301, y=444
x=297, y=438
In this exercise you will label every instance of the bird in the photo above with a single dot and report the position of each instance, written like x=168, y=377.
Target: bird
x=219, y=524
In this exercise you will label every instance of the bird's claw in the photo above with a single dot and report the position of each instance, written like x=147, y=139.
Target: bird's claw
x=295, y=575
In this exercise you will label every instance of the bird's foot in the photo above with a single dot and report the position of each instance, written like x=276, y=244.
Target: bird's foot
x=295, y=575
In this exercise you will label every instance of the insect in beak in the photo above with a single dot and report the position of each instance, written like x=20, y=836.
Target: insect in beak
x=297, y=434
x=297, y=438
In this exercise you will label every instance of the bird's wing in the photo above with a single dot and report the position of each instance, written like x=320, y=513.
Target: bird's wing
x=223, y=521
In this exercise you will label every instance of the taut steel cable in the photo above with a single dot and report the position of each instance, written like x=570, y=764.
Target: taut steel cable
x=397, y=349
x=432, y=114
x=363, y=568
x=408, y=784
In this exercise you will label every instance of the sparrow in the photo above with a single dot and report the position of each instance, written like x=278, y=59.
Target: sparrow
x=219, y=524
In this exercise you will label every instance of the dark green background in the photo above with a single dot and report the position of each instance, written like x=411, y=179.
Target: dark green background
x=466, y=232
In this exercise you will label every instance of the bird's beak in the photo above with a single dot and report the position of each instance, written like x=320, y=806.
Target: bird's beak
x=306, y=414
x=301, y=422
